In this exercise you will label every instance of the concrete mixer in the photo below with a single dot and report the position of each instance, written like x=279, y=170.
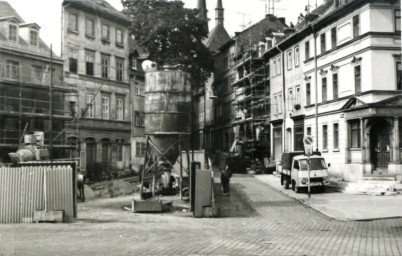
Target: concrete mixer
x=167, y=121
x=31, y=150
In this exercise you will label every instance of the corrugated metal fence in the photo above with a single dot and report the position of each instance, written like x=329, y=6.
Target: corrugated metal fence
x=21, y=192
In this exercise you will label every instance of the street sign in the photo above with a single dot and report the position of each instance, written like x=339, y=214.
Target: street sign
x=308, y=145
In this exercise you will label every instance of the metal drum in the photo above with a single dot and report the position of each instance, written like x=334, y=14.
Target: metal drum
x=168, y=110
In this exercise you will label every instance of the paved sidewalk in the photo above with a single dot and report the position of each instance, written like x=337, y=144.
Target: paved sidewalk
x=342, y=206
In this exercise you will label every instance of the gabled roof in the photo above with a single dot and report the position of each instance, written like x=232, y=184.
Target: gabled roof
x=216, y=38
x=136, y=48
x=6, y=10
x=29, y=25
x=354, y=102
x=256, y=32
x=99, y=7
x=395, y=100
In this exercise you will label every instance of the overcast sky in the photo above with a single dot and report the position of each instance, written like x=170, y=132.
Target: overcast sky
x=47, y=13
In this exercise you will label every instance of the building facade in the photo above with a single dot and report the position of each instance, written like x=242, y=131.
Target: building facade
x=29, y=74
x=95, y=49
x=339, y=80
x=242, y=86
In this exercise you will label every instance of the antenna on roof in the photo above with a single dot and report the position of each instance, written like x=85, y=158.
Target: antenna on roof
x=244, y=25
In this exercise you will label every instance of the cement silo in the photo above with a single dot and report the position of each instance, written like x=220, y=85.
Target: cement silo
x=167, y=118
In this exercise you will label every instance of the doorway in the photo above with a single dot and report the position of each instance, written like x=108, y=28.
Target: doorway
x=380, y=146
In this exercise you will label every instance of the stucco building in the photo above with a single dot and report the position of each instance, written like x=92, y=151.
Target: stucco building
x=28, y=70
x=339, y=80
x=95, y=50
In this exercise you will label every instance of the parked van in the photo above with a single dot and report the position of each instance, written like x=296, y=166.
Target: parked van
x=294, y=171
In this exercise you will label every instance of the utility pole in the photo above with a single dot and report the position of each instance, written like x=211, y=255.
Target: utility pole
x=51, y=105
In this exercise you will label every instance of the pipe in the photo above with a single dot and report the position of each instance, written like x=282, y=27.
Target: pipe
x=283, y=95
x=316, y=87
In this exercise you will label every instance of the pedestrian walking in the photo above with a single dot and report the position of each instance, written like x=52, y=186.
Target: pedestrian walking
x=226, y=174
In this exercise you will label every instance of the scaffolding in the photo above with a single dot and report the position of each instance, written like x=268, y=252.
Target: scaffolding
x=252, y=102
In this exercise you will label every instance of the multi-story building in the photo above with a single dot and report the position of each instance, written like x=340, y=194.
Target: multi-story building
x=95, y=49
x=242, y=108
x=29, y=75
x=204, y=97
x=339, y=80
x=137, y=101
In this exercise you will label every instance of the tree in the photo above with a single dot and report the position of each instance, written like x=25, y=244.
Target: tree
x=172, y=35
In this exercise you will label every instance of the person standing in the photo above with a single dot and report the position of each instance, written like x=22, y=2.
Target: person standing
x=226, y=174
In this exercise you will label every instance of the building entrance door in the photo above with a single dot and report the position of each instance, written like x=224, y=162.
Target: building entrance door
x=380, y=147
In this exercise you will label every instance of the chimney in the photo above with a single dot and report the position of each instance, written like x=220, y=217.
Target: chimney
x=283, y=20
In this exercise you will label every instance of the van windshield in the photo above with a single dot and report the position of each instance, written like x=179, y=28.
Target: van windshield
x=316, y=164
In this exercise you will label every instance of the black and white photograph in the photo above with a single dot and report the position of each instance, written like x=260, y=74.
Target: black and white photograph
x=200, y=127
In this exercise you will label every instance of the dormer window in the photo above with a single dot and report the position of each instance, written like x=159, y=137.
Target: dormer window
x=12, y=32
x=33, y=37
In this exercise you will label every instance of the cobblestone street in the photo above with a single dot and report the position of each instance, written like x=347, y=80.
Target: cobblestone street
x=255, y=220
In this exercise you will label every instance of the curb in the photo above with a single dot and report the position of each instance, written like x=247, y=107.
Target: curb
x=306, y=203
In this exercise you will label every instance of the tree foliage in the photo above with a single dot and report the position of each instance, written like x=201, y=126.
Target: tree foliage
x=171, y=34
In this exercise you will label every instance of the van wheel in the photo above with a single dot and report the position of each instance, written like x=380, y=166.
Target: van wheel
x=286, y=183
x=293, y=185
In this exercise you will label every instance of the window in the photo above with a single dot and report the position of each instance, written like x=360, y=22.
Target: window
x=90, y=105
x=120, y=143
x=36, y=73
x=357, y=79
x=73, y=22
x=307, y=50
x=12, y=70
x=399, y=75
x=335, y=85
x=290, y=99
x=334, y=41
x=105, y=62
x=89, y=62
x=355, y=134
x=400, y=132
x=12, y=33
x=139, y=118
x=308, y=131
x=279, y=103
x=274, y=68
x=308, y=94
x=89, y=27
x=336, y=136
x=323, y=45
x=275, y=105
x=120, y=108
x=139, y=149
x=324, y=89
x=297, y=56
x=119, y=36
x=279, y=67
x=105, y=32
x=72, y=60
x=289, y=60
x=105, y=107
x=398, y=20
x=33, y=37
x=325, y=137
x=134, y=63
x=356, y=26
x=119, y=69
x=297, y=94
